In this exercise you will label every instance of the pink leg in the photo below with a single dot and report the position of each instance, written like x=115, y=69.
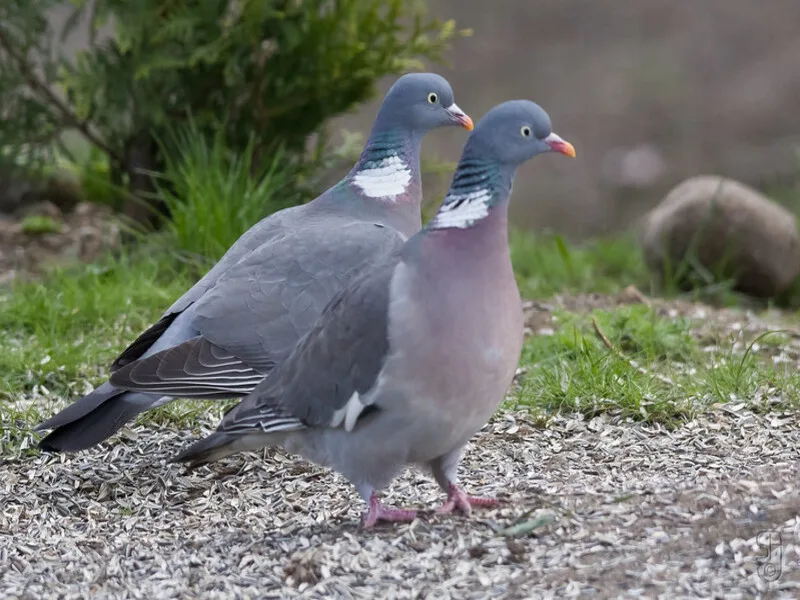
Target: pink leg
x=457, y=499
x=379, y=512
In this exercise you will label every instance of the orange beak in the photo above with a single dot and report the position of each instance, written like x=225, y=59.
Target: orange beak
x=459, y=117
x=557, y=144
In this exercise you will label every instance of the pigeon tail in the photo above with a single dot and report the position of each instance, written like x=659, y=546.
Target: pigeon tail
x=93, y=419
x=209, y=449
x=219, y=445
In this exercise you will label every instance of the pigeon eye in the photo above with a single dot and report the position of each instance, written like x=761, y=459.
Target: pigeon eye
x=433, y=98
x=525, y=131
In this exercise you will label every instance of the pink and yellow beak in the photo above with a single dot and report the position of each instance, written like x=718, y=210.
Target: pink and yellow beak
x=558, y=144
x=459, y=117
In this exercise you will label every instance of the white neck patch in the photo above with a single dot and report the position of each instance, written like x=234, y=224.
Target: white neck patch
x=462, y=210
x=388, y=179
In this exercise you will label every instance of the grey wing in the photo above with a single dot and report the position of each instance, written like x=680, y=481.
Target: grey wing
x=325, y=379
x=262, y=307
x=195, y=368
x=252, y=319
x=267, y=230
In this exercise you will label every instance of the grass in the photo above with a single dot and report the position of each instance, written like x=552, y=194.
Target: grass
x=546, y=264
x=648, y=367
x=61, y=333
x=39, y=225
x=75, y=320
x=213, y=196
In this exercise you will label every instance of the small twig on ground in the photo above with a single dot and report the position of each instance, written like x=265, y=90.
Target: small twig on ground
x=637, y=294
x=619, y=354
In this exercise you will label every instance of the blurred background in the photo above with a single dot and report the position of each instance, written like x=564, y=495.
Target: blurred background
x=650, y=92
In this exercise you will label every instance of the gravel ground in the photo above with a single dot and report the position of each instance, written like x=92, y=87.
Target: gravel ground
x=595, y=508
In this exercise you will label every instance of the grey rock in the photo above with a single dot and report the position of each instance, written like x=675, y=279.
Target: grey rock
x=64, y=189
x=728, y=228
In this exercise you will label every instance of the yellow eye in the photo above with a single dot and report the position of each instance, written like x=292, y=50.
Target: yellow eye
x=525, y=131
x=433, y=97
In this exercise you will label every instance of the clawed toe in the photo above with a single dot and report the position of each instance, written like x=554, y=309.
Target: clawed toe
x=457, y=499
x=379, y=512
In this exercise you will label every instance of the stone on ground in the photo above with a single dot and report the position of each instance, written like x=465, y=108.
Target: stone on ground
x=729, y=229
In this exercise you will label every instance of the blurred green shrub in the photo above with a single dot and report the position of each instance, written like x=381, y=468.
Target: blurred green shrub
x=214, y=193
x=266, y=73
x=29, y=124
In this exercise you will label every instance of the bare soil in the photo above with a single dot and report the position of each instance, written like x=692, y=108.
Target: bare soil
x=84, y=233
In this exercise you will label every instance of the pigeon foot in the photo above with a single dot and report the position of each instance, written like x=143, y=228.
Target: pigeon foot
x=379, y=512
x=457, y=499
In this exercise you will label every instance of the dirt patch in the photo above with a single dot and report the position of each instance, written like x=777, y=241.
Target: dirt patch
x=81, y=234
x=596, y=508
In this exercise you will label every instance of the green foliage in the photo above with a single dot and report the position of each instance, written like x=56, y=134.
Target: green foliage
x=61, y=333
x=213, y=196
x=735, y=375
x=268, y=74
x=640, y=331
x=63, y=328
x=28, y=126
x=40, y=224
x=546, y=264
x=278, y=68
x=654, y=370
x=573, y=370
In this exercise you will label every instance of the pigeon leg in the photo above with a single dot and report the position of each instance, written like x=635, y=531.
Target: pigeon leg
x=444, y=471
x=379, y=512
x=457, y=499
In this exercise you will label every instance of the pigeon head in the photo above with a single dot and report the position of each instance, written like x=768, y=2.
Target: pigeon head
x=507, y=136
x=421, y=102
x=514, y=132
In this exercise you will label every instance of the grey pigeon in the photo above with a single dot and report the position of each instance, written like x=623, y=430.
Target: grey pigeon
x=411, y=359
x=273, y=283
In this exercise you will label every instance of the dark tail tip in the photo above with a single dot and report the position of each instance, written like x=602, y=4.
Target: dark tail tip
x=46, y=445
x=209, y=449
x=90, y=429
x=64, y=439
